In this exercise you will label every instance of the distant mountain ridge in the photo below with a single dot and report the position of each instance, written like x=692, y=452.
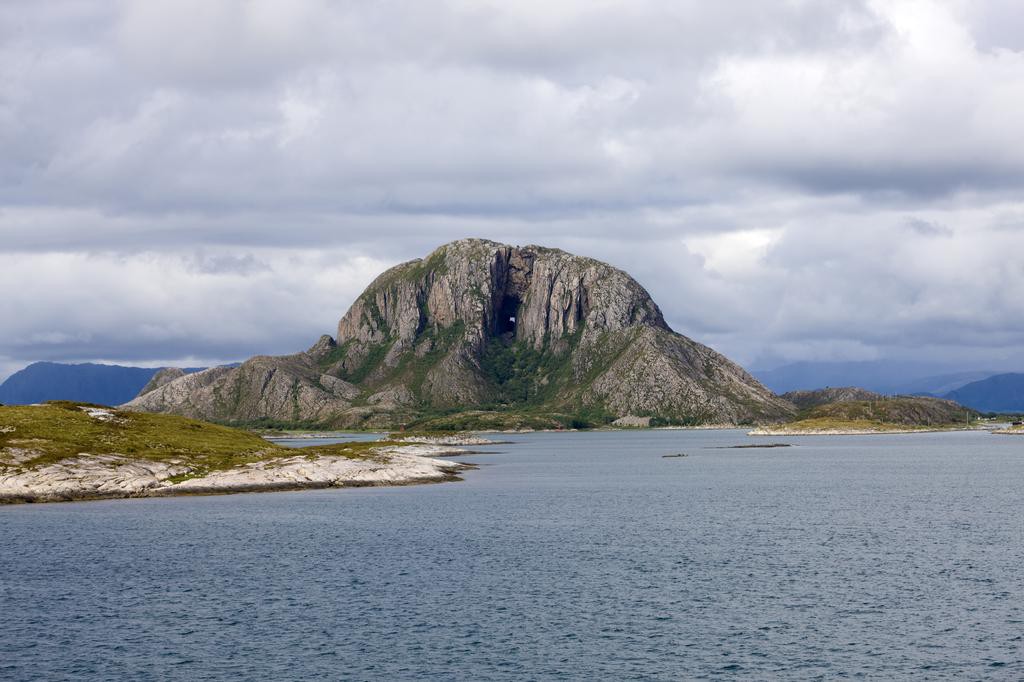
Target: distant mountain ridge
x=888, y=377
x=85, y=382
x=986, y=391
x=999, y=393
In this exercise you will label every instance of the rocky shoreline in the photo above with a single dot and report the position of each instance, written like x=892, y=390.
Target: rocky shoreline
x=315, y=435
x=94, y=477
x=768, y=431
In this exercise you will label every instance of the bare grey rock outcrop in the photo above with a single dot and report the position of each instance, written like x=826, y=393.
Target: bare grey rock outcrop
x=91, y=477
x=282, y=389
x=161, y=378
x=481, y=325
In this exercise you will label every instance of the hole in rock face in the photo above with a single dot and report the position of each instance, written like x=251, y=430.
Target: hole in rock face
x=507, y=315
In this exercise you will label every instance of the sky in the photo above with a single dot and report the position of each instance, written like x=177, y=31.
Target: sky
x=193, y=182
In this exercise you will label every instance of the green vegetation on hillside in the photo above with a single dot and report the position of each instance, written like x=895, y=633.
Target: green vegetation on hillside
x=817, y=424
x=806, y=400
x=374, y=358
x=508, y=420
x=414, y=368
x=336, y=354
x=904, y=410
x=521, y=374
x=901, y=413
x=435, y=264
x=59, y=430
x=415, y=271
x=525, y=382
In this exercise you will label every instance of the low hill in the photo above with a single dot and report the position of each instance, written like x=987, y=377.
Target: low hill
x=999, y=393
x=806, y=400
x=480, y=333
x=69, y=451
x=904, y=410
x=884, y=415
x=51, y=432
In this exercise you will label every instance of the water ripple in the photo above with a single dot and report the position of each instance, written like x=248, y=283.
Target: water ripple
x=568, y=556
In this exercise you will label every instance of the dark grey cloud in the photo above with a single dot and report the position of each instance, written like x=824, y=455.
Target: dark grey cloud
x=246, y=264
x=790, y=180
x=927, y=228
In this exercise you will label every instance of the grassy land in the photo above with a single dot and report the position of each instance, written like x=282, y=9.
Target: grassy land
x=59, y=430
x=900, y=413
x=901, y=410
x=832, y=424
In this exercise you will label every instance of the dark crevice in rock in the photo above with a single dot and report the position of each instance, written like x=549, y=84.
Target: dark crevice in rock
x=507, y=316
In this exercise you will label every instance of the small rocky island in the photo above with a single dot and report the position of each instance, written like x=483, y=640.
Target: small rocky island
x=63, y=451
x=854, y=411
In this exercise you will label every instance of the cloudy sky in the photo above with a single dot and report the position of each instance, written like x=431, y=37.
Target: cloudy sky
x=187, y=181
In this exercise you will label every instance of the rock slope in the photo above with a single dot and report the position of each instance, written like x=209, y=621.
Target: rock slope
x=485, y=326
x=92, y=477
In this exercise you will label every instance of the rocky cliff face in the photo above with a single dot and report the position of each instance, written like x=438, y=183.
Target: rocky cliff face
x=483, y=325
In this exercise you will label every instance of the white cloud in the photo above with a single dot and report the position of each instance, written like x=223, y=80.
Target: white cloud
x=734, y=254
x=789, y=179
x=218, y=306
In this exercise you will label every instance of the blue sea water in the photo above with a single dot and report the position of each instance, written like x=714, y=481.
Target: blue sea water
x=564, y=556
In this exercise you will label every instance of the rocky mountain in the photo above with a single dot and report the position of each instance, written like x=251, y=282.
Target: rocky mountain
x=806, y=400
x=492, y=328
